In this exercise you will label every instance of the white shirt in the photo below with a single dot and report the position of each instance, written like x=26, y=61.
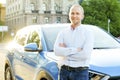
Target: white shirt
x=79, y=37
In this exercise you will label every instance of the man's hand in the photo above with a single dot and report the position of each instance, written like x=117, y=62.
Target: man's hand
x=79, y=49
x=62, y=45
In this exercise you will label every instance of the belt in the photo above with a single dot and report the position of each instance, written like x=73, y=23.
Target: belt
x=73, y=68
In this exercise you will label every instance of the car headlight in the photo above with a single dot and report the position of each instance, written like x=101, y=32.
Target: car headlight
x=93, y=75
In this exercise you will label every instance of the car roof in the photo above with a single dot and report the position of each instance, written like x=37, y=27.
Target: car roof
x=29, y=27
x=47, y=26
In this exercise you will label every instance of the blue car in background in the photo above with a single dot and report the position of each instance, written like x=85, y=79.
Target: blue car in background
x=30, y=55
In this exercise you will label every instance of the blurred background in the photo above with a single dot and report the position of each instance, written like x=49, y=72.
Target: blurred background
x=16, y=14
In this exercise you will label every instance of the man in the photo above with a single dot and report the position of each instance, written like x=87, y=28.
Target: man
x=75, y=45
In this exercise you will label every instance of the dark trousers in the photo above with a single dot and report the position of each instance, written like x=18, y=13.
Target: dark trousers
x=77, y=74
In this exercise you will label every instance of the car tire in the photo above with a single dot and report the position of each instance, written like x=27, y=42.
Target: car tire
x=43, y=76
x=8, y=74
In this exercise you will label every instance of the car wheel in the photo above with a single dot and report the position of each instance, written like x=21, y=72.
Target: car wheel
x=43, y=76
x=8, y=74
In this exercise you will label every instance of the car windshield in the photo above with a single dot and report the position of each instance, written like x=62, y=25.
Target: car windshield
x=102, y=39
x=50, y=35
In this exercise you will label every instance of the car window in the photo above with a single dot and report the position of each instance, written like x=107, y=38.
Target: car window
x=34, y=38
x=20, y=38
x=102, y=38
x=50, y=34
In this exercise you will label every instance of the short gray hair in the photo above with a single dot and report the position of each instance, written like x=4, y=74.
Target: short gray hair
x=79, y=6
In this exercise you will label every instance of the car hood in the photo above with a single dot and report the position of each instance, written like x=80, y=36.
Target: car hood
x=102, y=60
x=106, y=61
x=52, y=56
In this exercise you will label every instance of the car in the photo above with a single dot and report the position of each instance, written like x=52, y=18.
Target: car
x=118, y=39
x=30, y=55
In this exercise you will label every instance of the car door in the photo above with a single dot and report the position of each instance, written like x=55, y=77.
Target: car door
x=18, y=48
x=30, y=59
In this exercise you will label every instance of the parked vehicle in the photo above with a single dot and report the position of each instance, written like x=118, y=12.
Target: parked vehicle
x=118, y=39
x=31, y=57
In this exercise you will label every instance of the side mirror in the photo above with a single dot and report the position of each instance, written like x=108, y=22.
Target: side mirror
x=32, y=47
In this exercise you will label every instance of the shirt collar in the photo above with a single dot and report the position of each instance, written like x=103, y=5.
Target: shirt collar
x=77, y=28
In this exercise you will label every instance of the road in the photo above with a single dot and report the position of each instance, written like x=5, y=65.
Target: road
x=2, y=60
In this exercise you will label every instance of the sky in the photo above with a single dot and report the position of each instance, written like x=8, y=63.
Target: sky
x=3, y=1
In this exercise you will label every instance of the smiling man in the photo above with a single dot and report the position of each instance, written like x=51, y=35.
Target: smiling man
x=75, y=45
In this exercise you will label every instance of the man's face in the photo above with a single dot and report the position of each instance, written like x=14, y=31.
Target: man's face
x=75, y=15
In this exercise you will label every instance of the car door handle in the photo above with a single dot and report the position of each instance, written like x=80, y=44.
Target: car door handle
x=22, y=57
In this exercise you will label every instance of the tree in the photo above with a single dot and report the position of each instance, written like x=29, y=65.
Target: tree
x=97, y=12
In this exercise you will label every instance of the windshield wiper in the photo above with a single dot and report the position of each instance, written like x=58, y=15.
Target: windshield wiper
x=104, y=47
x=50, y=50
x=101, y=48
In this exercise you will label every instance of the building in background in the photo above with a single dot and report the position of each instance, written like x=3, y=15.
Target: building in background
x=3, y=28
x=20, y=13
x=2, y=12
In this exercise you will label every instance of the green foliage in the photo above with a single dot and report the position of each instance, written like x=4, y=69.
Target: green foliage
x=97, y=12
x=1, y=23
